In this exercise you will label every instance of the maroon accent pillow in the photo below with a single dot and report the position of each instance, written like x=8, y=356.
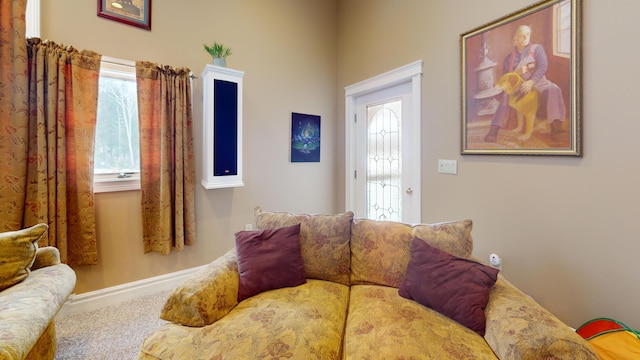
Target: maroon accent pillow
x=453, y=286
x=269, y=259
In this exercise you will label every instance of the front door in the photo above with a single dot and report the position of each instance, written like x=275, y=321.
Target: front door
x=385, y=143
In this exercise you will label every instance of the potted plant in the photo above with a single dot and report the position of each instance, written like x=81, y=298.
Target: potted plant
x=218, y=52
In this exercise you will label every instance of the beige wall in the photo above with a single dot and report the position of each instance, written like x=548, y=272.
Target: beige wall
x=565, y=227
x=288, y=51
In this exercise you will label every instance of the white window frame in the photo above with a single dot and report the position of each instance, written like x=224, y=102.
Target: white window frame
x=125, y=69
x=32, y=19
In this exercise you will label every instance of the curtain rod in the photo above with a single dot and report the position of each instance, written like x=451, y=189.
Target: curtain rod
x=129, y=63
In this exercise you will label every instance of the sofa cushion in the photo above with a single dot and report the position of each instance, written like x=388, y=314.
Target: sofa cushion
x=453, y=237
x=269, y=259
x=17, y=253
x=453, y=286
x=303, y=322
x=380, y=250
x=383, y=325
x=324, y=240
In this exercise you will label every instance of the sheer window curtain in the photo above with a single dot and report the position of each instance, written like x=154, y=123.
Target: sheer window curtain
x=48, y=101
x=167, y=171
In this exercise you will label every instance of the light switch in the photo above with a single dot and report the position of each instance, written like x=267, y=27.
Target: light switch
x=448, y=166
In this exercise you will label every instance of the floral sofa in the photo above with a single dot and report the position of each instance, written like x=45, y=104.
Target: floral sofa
x=360, y=297
x=33, y=287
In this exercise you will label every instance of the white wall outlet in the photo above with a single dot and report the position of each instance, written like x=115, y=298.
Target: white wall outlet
x=448, y=166
x=495, y=261
x=248, y=227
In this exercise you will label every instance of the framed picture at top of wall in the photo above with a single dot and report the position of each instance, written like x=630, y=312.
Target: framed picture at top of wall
x=130, y=12
x=521, y=82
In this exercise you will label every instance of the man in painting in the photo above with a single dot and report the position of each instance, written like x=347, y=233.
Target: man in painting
x=530, y=62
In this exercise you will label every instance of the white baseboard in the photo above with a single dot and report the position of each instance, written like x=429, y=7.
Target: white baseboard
x=114, y=295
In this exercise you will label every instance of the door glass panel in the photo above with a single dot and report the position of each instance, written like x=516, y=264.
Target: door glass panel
x=384, y=165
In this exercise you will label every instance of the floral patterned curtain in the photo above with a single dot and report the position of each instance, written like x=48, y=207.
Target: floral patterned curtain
x=63, y=100
x=14, y=105
x=48, y=106
x=167, y=172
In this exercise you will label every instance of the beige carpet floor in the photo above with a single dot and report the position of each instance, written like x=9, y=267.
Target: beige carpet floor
x=110, y=333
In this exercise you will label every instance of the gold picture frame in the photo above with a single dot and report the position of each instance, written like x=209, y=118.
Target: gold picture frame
x=521, y=82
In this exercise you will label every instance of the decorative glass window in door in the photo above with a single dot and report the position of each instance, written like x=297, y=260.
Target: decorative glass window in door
x=384, y=170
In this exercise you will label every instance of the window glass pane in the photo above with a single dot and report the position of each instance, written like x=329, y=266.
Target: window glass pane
x=32, y=19
x=562, y=25
x=384, y=168
x=117, y=147
x=564, y=36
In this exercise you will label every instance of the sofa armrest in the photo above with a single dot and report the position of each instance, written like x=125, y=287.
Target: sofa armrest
x=520, y=328
x=28, y=308
x=205, y=296
x=46, y=256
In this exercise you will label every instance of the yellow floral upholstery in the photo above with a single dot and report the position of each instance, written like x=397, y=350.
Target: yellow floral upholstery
x=46, y=346
x=324, y=241
x=46, y=256
x=17, y=253
x=519, y=328
x=27, y=309
x=354, y=311
x=207, y=295
x=453, y=237
x=303, y=322
x=381, y=250
x=383, y=325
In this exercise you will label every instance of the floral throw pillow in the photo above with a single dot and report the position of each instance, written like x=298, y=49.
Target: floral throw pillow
x=17, y=253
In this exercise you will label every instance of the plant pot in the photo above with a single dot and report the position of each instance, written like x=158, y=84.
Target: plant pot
x=220, y=62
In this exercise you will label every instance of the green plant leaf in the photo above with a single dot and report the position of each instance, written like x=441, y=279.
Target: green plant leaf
x=217, y=50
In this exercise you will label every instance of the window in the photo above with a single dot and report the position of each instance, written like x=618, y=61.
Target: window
x=117, y=141
x=384, y=156
x=562, y=29
x=32, y=19
x=117, y=148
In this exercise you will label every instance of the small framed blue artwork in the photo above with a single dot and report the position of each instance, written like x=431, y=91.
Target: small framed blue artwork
x=305, y=138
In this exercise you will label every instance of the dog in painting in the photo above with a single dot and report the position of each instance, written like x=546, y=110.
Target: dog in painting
x=525, y=105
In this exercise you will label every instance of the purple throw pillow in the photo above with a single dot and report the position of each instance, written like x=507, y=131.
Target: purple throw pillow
x=269, y=259
x=453, y=286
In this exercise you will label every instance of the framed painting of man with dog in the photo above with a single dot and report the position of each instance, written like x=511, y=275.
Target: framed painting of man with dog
x=521, y=82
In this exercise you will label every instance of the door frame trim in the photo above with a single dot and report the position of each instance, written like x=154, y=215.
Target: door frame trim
x=408, y=73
